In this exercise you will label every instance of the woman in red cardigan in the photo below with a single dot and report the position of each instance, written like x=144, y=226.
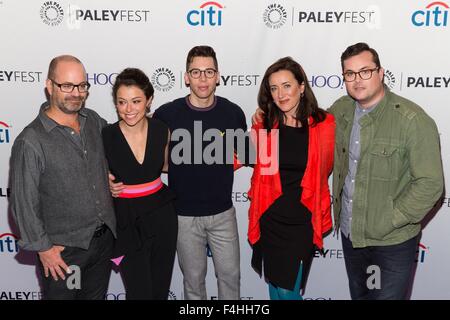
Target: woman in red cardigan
x=290, y=198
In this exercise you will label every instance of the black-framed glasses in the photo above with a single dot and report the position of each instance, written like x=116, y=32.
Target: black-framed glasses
x=68, y=87
x=197, y=73
x=365, y=74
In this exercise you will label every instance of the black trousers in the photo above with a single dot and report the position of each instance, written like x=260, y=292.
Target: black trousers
x=95, y=270
x=147, y=273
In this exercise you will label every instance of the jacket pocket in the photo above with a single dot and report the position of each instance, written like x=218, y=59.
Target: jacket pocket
x=384, y=161
x=379, y=223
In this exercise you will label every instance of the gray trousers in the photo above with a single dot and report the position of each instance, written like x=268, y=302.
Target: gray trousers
x=220, y=232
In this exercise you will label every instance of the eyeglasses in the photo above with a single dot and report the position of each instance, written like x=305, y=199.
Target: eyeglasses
x=365, y=74
x=68, y=87
x=197, y=73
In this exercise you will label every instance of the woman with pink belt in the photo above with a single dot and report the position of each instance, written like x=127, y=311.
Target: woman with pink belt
x=136, y=150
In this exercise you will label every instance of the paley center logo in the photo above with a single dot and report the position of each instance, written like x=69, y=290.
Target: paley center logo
x=389, y=79
x=239, y=80
x=435, y=15
x=428, y=81
x=210, y=14
x=20, y=76
x=8, y=243
x=106, y=15
x=412, y=81
x=171, y=296
x=20, y=295
x=4, y=132
x=239, y=196
x=52, y=13
x=329, y=253
x=274, y=16
x=163, y=79
x=339, y=17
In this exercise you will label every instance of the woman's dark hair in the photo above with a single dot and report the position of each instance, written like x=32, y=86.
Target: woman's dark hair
x=308, y=103
x=133, y=77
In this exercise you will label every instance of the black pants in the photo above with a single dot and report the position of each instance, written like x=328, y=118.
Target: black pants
x=95, y=270
x=147, y=273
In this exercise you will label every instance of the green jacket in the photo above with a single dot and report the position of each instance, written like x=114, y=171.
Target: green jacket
x=399, y=176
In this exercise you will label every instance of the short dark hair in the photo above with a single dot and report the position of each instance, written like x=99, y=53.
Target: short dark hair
x=54, y=64
x=308, y=103
x=201, y=51
x=356, y=49
x=133, y=77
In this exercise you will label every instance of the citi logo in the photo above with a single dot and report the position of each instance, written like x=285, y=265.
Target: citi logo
x=8, y=243
x=422, y=251
x=435, y=15
x=210, y=14
x=4, y=132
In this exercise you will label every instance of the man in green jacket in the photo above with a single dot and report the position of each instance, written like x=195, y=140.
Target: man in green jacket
x=387, y=176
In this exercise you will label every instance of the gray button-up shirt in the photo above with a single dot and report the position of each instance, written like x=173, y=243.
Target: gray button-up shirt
x=353, y=158
x=59, y=182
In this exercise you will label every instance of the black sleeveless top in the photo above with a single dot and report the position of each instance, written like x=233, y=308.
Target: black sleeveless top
x=132, y=212
x=286, y=228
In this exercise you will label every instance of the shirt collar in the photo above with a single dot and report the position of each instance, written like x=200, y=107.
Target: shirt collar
x=48, y=123
x=190, y=105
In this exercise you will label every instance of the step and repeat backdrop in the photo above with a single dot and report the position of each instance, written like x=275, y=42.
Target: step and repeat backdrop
x=411, y=37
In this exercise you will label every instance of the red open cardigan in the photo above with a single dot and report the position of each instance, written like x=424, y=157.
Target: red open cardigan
x=266, y=188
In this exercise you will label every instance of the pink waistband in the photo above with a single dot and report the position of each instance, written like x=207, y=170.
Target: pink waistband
x=141, y=190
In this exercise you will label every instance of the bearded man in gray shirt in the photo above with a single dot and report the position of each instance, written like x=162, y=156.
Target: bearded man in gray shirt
x=59, y=181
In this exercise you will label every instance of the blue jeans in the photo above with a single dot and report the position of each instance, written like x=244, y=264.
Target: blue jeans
x=395, y=264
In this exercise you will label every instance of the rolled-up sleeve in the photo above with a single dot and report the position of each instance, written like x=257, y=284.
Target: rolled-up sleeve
x=25, y=169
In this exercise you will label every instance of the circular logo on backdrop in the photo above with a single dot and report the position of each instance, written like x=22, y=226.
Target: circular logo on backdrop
x=275, y=16
x=163, y=79
x=389, y=77
x=52, y=13
x=171, y=296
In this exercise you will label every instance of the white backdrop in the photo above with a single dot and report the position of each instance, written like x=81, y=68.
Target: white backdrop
x=411, y=37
